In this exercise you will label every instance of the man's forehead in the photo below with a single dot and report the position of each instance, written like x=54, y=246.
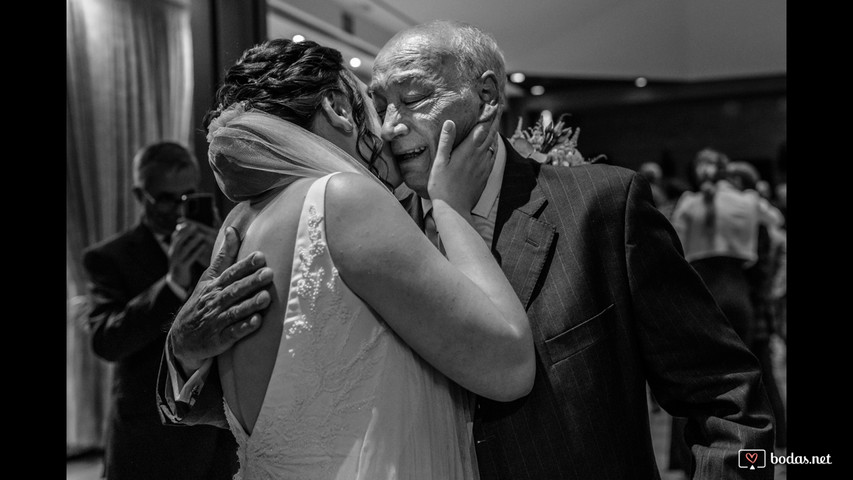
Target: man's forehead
x=394, y=77
x=399, y=68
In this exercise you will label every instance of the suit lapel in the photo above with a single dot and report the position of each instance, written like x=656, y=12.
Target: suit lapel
x=148, y=249
x=522, y=242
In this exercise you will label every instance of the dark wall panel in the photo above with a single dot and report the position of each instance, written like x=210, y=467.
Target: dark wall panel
x=672, y=124
x=221, y=30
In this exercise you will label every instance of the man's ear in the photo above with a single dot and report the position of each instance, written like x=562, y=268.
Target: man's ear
x=489, y=93
x=338, y=112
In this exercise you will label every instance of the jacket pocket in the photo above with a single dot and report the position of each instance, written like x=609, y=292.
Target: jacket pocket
x=581, y=336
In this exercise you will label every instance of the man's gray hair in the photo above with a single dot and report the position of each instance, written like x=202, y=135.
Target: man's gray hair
x=475, y=50
x=159, y=157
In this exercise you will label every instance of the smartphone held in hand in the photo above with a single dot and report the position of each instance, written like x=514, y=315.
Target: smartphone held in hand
x=199, y=207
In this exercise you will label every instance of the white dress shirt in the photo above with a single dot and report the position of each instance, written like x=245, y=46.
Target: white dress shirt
x=485, y=212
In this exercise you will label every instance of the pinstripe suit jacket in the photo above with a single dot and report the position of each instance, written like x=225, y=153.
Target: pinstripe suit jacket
x=612, y=304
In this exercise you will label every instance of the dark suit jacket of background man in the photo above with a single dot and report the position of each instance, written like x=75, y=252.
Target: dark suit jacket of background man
x=131, y=309
x=612, y=304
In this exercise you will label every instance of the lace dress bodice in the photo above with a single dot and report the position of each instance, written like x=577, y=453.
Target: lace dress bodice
x=348, y=399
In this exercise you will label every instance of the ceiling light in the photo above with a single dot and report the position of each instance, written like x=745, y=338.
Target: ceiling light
x=517, y=77
x=537, y=90
x=355, y=62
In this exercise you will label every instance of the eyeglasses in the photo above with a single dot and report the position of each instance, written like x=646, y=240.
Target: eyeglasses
x=166, y=201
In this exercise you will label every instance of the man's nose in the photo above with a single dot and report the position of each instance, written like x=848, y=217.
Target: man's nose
x=392, y=125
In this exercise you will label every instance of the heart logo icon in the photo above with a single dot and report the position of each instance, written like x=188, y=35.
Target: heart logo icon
x=752, y=457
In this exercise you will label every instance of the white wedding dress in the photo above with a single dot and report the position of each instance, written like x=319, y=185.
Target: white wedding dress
x=347, y=398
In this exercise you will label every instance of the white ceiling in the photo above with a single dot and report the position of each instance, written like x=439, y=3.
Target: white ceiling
x=660, y=39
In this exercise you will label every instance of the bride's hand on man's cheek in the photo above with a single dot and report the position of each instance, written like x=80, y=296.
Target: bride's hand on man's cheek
x=459, y=176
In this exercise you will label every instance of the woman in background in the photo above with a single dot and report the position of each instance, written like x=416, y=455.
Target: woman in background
x=718, y=227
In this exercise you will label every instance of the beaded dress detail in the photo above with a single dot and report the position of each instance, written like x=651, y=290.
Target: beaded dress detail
x=348, y=399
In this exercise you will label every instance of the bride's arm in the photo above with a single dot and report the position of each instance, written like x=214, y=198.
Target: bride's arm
x=455, y=185
x=461, y=315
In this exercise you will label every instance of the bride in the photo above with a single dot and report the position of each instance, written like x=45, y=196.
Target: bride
x=373, y=339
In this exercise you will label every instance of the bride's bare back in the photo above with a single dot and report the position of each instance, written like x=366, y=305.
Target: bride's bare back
x=326, y=388
x=269, y=226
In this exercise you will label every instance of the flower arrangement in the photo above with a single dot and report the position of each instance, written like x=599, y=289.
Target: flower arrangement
x=552, y=144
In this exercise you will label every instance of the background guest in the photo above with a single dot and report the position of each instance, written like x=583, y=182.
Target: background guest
x=782, y=201
x=718, y=227
x=138, y=279
x=653, y=172
x=764, y=276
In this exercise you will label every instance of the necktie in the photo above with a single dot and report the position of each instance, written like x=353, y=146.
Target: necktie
x=430, y=230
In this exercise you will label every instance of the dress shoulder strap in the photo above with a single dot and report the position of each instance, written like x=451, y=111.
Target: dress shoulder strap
x=317, y=194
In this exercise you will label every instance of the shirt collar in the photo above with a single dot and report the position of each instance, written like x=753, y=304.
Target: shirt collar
x=491, y=191
x=159, y=237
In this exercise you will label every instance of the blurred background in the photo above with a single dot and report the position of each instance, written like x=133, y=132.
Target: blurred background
x=642, y=80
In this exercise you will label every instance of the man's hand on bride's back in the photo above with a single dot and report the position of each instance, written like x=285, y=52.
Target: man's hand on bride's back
x=223, y=308
x=459, y=176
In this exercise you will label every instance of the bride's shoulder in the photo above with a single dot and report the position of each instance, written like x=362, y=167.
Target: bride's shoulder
x=353, y=188
x=278, y=212
x=359, y=208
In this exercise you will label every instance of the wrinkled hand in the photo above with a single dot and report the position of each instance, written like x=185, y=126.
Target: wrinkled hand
x=459, y=177
x=223, y=308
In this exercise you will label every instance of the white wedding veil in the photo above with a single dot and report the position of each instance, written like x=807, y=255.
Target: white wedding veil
x=253, y=152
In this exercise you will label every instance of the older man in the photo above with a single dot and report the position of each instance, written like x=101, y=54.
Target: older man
x=611, y=300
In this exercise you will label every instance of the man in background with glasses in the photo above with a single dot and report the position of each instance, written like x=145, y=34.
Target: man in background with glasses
x=138, y=279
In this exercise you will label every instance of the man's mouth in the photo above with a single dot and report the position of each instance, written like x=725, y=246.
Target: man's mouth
x=409, y=154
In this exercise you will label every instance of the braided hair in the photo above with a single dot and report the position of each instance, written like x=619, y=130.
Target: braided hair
x=714, y=165
x=289, y=80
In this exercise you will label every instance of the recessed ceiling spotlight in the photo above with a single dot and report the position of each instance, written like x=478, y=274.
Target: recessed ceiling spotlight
x=355, y=62
x=641, y=82
x=298, y=38
x=537, y=90
x=517, y=77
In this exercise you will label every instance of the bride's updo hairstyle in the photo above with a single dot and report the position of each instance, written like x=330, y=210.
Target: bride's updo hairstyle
x=289, y=80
